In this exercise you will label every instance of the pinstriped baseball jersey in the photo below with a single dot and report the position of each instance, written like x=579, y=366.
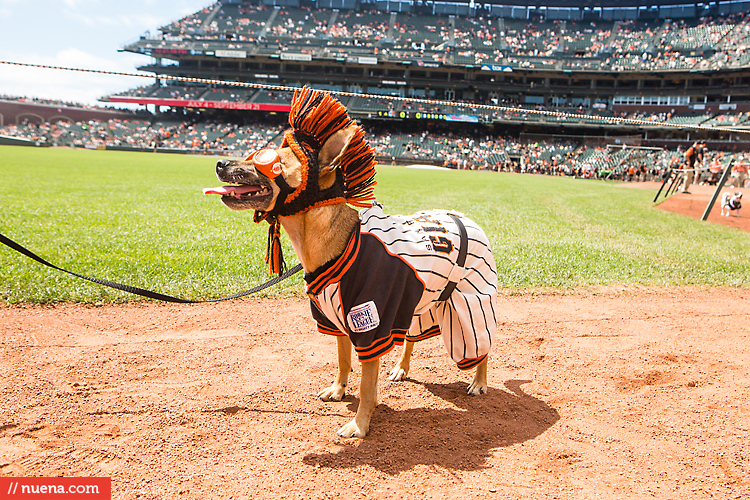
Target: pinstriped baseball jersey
x=385, y=287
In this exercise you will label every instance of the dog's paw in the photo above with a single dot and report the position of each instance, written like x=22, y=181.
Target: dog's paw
x=397, y=374
x=477, y=389
x=352, y=430
x=333, y=393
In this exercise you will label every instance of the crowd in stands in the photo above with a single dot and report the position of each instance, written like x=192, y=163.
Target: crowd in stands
x=189, y=25
x=633, y=165
x=550, y=112
x=533, y=43
x=148, y=135
x=450, y=150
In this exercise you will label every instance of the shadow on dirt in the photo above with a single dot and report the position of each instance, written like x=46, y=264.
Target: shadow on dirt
x=460, y=438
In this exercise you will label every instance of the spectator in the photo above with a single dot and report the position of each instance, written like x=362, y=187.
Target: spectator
x=739, y=174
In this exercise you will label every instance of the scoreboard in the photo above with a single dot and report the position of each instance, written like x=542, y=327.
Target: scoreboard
x=422, y=115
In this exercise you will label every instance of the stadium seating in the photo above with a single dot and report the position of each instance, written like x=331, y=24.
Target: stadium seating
x=688, y=119
x=467, y=42
x=240, y=21
x=549, y=157
x=566, y=115
x=625, y=45
x=271, y=97
x=236, y=94
x=189, y=25
x=414, y=38
x=365, y=104
x=684, y=36
x=253, y=137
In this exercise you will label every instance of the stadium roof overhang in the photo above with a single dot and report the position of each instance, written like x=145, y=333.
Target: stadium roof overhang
x=582, y=4
x=594, y=4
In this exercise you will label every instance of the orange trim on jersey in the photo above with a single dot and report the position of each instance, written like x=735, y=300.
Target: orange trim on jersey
x=337, y=270
x=381, y=346
x=329, y=331
x=428, y=334
x=398, y=336
x=469, y=363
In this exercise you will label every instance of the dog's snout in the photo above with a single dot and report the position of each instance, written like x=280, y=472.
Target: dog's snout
x=221, y=165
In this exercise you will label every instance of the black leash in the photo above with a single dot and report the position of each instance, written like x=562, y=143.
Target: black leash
x=148, y=293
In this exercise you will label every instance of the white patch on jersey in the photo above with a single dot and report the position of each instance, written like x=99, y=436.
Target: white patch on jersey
x=363, y=318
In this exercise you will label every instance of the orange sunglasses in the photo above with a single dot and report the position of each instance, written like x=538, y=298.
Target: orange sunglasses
x=266, y=161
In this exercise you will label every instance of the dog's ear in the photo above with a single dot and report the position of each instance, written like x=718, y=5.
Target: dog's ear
x=332, y=151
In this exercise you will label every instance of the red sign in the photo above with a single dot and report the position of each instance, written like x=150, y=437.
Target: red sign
x=58, y=488
x=184, y=103
x=181, y=52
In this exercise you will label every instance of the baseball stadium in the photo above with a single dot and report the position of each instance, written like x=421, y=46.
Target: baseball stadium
x=591, y=156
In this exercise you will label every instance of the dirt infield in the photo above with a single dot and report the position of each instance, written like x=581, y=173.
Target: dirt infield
x=617, y=393
x=694, y=203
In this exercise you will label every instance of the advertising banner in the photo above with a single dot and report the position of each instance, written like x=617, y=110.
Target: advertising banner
x=185, y=103
x=234, y=54
x=497, y=67
x=293, y=56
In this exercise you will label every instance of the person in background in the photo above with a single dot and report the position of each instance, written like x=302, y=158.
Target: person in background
x=739, y=174
x=693, y=157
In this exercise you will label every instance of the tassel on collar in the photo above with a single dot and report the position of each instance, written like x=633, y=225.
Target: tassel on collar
x=274, y=254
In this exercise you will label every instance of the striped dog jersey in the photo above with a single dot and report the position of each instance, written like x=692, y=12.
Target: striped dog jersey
x=385, y=287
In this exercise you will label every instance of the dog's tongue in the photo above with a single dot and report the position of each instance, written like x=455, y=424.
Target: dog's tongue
x=231, y=190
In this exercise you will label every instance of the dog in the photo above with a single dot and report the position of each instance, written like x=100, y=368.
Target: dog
x=731, y=202
x=374, y=281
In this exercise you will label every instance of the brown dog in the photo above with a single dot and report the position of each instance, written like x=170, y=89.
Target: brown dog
x=374, y=281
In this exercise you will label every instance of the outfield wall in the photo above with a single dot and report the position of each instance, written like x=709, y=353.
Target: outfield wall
x=15, y=141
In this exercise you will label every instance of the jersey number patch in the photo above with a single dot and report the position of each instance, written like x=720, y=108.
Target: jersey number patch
x=441, y=244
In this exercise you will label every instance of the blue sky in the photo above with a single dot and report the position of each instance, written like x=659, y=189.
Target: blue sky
x=78, y=33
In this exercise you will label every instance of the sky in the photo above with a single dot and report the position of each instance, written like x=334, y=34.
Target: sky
x=83, y=34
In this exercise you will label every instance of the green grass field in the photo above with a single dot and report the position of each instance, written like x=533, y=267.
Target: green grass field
x=141, y=219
